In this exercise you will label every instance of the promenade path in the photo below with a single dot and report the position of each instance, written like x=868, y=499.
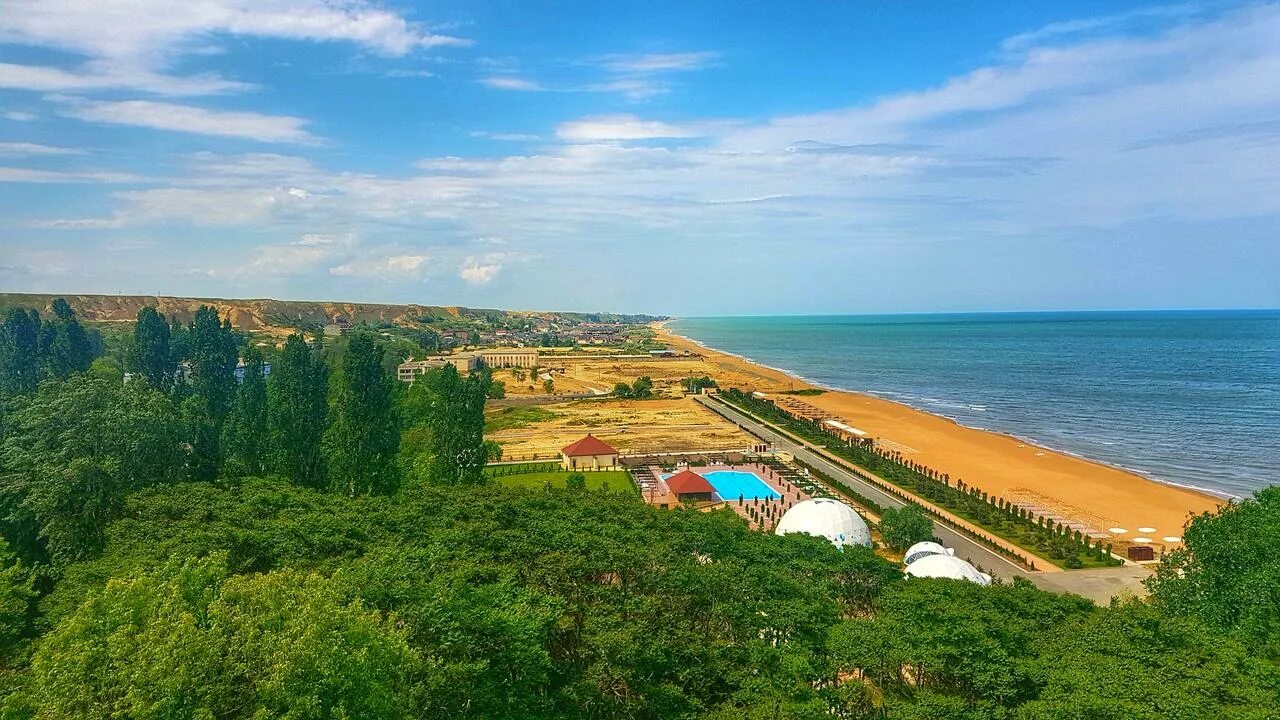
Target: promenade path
x=1097, y=584
x=840, y=469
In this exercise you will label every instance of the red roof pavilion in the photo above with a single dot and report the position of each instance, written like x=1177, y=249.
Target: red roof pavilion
x=688, y=482
x=588, y=446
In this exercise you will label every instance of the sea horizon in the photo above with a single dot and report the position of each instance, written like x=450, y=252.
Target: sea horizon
x=1147, y=413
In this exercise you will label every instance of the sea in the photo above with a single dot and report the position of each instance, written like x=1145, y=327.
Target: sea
x=1186, y=397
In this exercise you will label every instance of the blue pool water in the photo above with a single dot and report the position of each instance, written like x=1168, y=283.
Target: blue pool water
x=730, y=484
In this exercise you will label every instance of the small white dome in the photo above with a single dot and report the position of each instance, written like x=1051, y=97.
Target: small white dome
x=924, y=549
x=947, y=566
x=824, y=517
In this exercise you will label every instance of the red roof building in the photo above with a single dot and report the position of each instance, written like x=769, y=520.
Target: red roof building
x=588, y=453
x=688, y=484
x=589, y=445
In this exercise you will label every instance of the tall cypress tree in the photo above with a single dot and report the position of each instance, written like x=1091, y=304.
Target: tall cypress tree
x=65, y=346
x=151, y=357
x=213, y=384
x=244, y=435
x=362, y=441
x=297, y=405
x=19, y=352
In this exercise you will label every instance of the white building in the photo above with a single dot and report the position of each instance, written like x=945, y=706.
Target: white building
x=923, y=550
x=947, y=567
x=828, y=518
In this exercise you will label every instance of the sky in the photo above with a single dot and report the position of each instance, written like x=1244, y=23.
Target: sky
x=705, y=158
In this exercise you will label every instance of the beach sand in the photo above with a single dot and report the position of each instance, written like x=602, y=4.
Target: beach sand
x=1087, y=492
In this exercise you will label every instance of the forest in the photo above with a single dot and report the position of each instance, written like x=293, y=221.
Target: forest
x=187, y=535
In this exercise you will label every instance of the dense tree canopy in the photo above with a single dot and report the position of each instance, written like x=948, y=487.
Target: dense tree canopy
x=364, y=436
x=213, y=385
x=244, y=435
x=70, y=455
x=19, y=351
x=149, y=570
x=65, y=346
x=903, y=527
x=1228, y=573
x=297, y=412
x=151, y=356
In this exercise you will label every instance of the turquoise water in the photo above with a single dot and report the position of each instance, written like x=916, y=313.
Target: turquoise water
x=1185, y=397
x=730, y=484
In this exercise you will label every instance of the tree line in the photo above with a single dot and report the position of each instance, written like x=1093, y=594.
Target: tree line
x=198, y=403
x=322, y=542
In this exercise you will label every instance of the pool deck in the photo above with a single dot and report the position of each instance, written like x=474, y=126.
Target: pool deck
x=759, y=514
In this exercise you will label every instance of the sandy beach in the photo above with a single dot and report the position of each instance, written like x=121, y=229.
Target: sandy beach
x=1099, y=496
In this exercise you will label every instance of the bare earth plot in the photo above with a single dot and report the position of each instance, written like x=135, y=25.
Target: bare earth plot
x=660, y=425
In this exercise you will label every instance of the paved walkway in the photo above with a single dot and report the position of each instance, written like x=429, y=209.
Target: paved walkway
x=966, y=548
x=1097, y=584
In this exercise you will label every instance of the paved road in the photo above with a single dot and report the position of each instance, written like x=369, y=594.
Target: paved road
x=965, y=548
x=1097, y=584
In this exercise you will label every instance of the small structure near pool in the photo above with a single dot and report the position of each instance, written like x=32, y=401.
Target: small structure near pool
x=589, y=453
x=689, y=486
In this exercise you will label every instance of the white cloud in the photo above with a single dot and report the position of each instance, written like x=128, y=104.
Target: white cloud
x=660, y=62
x=20, y=116
x=27, y=175
x=79, y=224
x=189, y=119
x=25, y=148
x=102, y=76
x=511, y=82
x=128, y=43
x=389, y=266
x=478, y=272
x=1077, y=140
x=620, y=127
x=507, y=137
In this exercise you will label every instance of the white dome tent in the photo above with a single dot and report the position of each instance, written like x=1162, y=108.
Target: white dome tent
x=923, y=550
x=948, y=567
x=824, y=517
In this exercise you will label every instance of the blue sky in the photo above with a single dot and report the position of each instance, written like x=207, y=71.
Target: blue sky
x=683, y=158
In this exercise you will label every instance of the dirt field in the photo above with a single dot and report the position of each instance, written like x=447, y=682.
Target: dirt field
x=662, y=425
x=599, y=376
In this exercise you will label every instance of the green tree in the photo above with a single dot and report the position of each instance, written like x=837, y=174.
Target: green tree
x=213, y=385
x=900, y=528
x=1228, y=571
x=297, y=411
x=73, y=453
x=444, y=420
x=19, y=352
x=575, y=481
x=16, y=597
x=151, y=355
x=190, y=642
x=362, y=440
x=244, y=435
x=65, y=346
x=642, y=388
x=1171, y=667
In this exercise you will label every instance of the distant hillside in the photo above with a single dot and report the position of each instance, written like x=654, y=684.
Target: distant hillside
x=266, y=314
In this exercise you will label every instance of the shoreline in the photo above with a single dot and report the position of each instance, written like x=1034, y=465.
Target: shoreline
x=880, y=395
x=1078, y=487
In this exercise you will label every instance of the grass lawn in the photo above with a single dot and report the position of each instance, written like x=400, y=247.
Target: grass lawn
x=619, y=480
x=513, y=417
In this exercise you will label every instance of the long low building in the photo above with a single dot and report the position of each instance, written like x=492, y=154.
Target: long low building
x=463, y=362
x=509, y=357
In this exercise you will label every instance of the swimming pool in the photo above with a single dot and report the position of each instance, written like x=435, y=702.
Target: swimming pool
x=730, y=484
